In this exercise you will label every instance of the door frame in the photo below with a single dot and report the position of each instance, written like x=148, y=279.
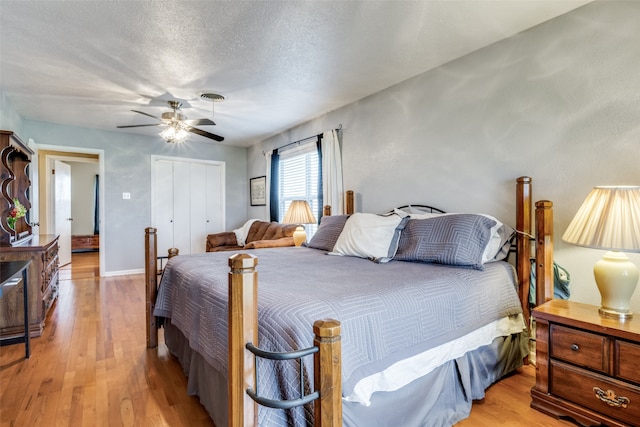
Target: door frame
x=45, y=187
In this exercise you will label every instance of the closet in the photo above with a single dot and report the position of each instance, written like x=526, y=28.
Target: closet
x=188, y=202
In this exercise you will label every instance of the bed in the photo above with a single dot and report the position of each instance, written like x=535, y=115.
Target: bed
x=419, y=341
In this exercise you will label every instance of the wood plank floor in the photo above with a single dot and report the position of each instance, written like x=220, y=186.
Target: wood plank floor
x=91, y=367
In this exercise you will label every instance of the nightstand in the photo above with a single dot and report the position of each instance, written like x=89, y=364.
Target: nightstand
x=587, y=366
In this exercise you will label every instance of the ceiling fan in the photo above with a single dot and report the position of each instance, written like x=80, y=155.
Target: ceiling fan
x=177, y=127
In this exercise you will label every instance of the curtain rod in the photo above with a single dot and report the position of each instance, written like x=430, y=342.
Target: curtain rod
x=301, y=140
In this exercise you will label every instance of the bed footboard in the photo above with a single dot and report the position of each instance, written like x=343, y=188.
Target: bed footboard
x=243, y=329
x=151, y=284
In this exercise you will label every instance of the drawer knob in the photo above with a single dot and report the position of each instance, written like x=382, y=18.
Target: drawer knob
x=609, y=397
x=575, y=347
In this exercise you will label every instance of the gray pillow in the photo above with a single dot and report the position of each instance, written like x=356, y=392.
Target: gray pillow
x=457, y=239
x=328, y=232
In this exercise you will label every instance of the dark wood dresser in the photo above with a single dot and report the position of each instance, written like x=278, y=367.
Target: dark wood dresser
x=587, y=366
x=42, y=250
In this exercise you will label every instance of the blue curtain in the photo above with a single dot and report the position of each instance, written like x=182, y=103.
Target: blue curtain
x=274, y=191
x=96, y=210
x=320, y=192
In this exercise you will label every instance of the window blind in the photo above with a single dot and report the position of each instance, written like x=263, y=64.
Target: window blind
x=299, y=180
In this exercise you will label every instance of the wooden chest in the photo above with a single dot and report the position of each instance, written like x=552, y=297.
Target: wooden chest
x=89, y=242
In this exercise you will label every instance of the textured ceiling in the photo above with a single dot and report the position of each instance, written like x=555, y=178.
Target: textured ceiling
x=278, y=63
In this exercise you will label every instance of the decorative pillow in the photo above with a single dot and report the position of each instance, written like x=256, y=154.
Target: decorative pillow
x=453, y=239
x=328, y=232
x=370, y=236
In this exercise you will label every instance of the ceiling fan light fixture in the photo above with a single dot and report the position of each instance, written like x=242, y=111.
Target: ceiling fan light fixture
x=176, y=132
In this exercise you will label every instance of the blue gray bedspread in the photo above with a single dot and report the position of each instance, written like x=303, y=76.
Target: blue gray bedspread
x=388, y=311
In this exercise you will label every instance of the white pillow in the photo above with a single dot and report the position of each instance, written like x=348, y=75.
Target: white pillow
x=370, y=236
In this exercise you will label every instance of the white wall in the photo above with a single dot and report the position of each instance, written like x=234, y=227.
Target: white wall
x=559, y=102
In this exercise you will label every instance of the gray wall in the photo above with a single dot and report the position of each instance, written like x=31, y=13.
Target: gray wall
x=127, y=159
x=559, y=102
x=9, y=119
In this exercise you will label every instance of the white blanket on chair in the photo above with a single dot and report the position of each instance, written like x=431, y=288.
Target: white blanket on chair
x=242, y=232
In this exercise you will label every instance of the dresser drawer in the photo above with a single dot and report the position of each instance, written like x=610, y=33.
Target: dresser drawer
x=610, y=397
x=579, y=348
x=628, y=361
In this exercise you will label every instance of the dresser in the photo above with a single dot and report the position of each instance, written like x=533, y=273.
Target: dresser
x=587, y=366
x=18, y=243
x=42, y=285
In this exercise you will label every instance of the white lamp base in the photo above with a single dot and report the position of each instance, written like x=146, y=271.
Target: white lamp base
x=299, y=236
x=617, y=278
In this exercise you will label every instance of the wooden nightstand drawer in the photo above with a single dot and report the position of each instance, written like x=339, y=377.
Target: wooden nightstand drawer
x=628, y=361
x=610, y=397
x=579, y=348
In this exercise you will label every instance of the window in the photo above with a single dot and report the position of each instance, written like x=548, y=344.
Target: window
x=299, y=181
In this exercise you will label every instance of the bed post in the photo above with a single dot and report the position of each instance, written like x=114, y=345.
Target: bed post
x=150, y=277
x=544, y=251
x=243, y=328
x=523, y=242
x=349, y=207
x=327, y=367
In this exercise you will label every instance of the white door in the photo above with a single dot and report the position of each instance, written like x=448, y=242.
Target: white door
x=181, y=207
x=207, y=213
x=188, y=203
x=163, y=205
x=198, y=179
x=215, y=199
x=61, y=176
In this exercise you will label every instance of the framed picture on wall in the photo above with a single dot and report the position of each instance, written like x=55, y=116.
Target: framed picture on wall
x=257, y=191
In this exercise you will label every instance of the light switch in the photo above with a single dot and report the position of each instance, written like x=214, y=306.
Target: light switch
x=126, y=196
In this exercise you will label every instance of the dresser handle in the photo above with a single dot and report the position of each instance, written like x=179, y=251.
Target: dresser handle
x=609, y=397
x=575, y=347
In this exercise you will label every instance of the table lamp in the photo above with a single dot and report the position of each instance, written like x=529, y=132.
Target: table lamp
x=299, y=213
x=609, y=219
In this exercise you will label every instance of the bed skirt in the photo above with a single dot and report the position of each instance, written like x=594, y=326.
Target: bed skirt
x=439, y=399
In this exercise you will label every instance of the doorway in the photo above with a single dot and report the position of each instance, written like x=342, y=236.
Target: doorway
x=89, y=237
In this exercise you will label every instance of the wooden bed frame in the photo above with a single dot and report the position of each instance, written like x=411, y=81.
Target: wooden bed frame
x=243, y=316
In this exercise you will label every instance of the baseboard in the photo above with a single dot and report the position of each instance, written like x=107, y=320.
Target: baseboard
x=123, y=272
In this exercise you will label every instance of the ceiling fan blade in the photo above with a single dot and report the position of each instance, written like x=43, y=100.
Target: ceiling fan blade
x=200, y=122
x=148, y=115
x=136, y=126
x=206, y=134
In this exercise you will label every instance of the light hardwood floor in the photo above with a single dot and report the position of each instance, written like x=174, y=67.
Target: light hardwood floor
x=91, y=367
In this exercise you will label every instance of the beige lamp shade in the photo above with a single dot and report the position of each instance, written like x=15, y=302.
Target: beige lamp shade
x=609, y=219
x=299, y=212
